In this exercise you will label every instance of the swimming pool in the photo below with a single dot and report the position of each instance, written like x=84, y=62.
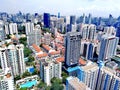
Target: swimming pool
x=28, y=84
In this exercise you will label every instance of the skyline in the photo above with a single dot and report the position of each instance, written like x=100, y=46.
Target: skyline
x=65, y=7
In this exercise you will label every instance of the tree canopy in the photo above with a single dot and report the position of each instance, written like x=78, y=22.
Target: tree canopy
x=23, y=88
x=56, y=84
x=27, y=52
x=25, y=74
x=23, y=40
x=17, y=78
x=64, y=76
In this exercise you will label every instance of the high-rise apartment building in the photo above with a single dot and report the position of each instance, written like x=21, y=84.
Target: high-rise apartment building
x=4, y=60
x=7, y=29
x=88, y=50
x=72, y=48
x=20, y=56
x=88, y=31
x=107, y=80
x=12, y=53
x=88, y=75
x=13, y=56
x=95, y=77
x=49, y=69
x=29, y=27
x=34, y=36
x=73, y=83
x=2, y=34
x=6, y=80
x=110, y=30
x=13, y=28
x=108, y=46
x=16, y=57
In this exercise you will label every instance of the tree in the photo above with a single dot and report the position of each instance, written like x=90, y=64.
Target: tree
x=30, y=63
x=23, y=40
x=23, y=88
x=31, y=58
x=17, y=78
x=46, y=30
x=41, y=85
x=8, y=36
x=27, y=52
x=56, y=80
x=57, y=86
x=25, y=74
x=35, y=72
x=64, y=76
x=47, y=88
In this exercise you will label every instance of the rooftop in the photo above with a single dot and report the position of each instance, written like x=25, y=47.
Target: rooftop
x=36, y=48
x=71, y=69
x=116, y=58
x=109, y=70
x=54, y=52
x=60, y=59
x=76, y=84
x=42, y=55
x=90, y=67
x=46, y=47
x=82, y=62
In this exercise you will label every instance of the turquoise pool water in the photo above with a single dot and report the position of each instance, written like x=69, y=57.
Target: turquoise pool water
x=28, y=84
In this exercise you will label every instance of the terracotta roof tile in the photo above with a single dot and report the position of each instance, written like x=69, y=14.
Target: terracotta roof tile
x=60, y=59
x=42, y=55
x=54, y=52
x=37, y=49
x=82, y=62
x=46, y=47
x=8, y=75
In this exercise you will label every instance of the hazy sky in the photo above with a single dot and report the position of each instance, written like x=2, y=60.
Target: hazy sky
x=65, y=7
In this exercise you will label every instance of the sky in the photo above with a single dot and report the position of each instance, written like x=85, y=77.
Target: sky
x=65, y=7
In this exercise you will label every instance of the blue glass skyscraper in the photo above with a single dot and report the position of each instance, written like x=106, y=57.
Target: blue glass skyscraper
x=72, y=20
x=46, y=20
x=58, y=14
x=118, y=32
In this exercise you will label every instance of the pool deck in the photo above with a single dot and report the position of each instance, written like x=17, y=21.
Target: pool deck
x=29, y=84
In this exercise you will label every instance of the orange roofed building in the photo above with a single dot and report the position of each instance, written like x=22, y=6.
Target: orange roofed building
x=46, y=47
x=60, y=59
x=43, y=55
x=82, y=62
x=36, y=49
x=54, y=53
